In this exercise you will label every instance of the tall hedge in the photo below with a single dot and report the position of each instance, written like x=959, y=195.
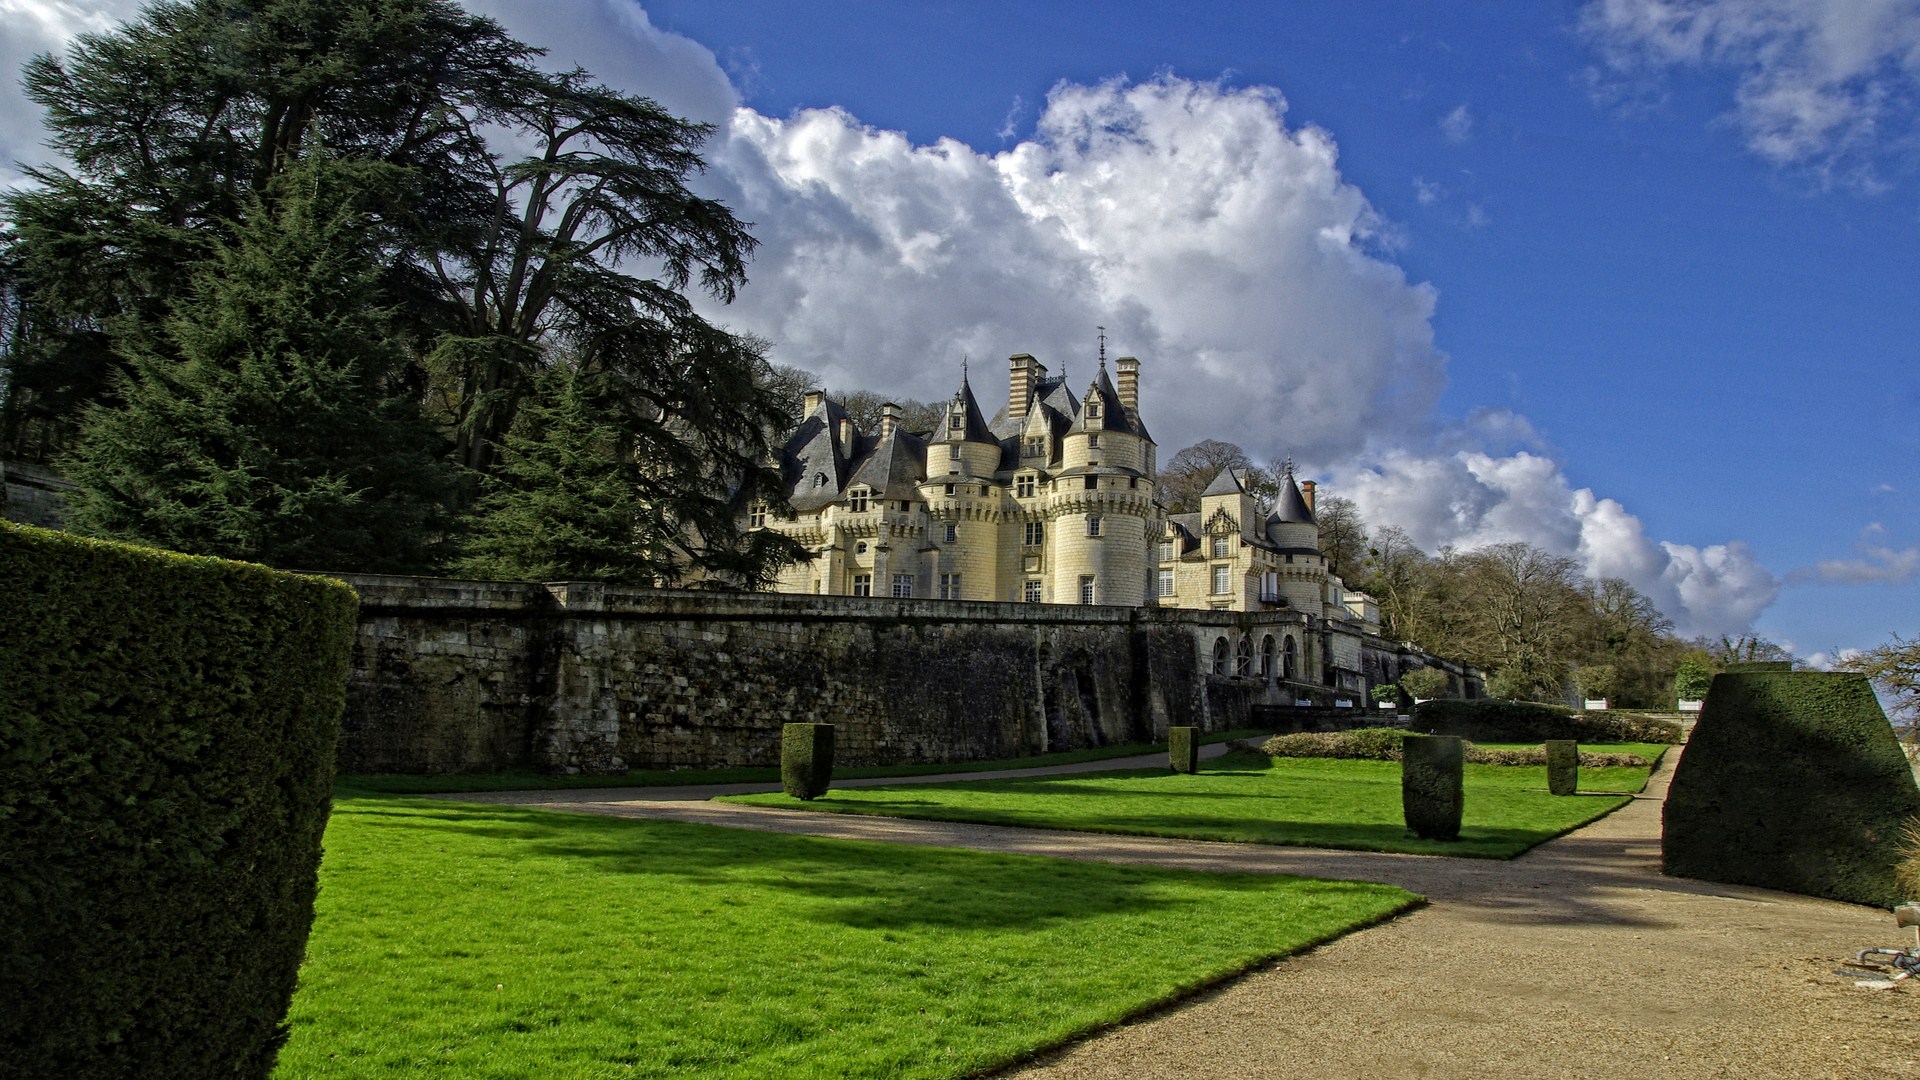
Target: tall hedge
x=1433, y=792
x=1791, y=780
x=167, y=729
x=1500, y=720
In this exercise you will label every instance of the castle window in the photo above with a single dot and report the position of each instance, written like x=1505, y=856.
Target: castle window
x=757, y=517
x=1289, y=659
x=1243, y=658
x=1033, y=592
x=1220, y=654
x=1086, y=588
x=956, y=420
x=1093, y=483
x=953, y=451
x=819, y=479
x=903, y=584
x=953, y=532
x=863, y=584
x=1165, y=584
x=1266, y=657
x=860, y=547
x=1222, y=579
x=1220, y=549
x=1093, y=410
x=1093, y=524
x=949, y=489
x=1023, y=486
x=857, y=501
x=1036, y=533
x=1093, y=442
x=949, y=586
x=1036, y=447
x=1166, y=551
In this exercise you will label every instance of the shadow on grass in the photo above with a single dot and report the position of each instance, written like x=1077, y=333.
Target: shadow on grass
x=858, y=884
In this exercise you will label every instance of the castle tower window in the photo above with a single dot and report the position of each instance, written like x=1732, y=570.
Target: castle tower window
x=903, y=584
x=1266, y=657
x=1036, y=533
x=1164, y=587
x=1093, y=410
x=860, y=547
x=956, y=420
x=1220, y=549
x=1222, y=579
x=1093, y=483
x=1166, y=551
x=1033, y=592
x=1023, y=487
x=757, y=517
x=1086, y=588
x=1220, y=654
x=953, y=451
x=1093, y=524
x=857, y=501
x=863, y=584
x=1243, y=658
x=949, y=586
x=949, y=489
x=952, y=533
x=1093, y=442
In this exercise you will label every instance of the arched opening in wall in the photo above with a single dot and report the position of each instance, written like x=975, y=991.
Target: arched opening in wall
x=1266, y=657
x=1289, y=659
x=1243, y=658
x=1220, y=656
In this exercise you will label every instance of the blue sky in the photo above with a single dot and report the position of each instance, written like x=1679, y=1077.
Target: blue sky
x=1635, y=280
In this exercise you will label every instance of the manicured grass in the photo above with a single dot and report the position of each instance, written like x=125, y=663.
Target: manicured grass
x=483, y=941
x=1251, y=798
x=404, y=784
x=1652, y=751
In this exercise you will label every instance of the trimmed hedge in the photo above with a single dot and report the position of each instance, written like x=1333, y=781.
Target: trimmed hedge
x=1499, y=720
x=1383, y=744
x=1433, y=791
x=806, y=759
x=167, y=728
x=1183, y=749
x=1792, y=780
x=1563, y=766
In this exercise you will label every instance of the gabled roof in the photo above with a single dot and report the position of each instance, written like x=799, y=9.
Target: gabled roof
x=811, y=462
x=1113, y=415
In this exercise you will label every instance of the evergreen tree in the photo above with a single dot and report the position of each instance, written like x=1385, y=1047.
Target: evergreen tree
x=259, y=423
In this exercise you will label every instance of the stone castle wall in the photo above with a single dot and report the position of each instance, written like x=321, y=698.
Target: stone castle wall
x=462, y=676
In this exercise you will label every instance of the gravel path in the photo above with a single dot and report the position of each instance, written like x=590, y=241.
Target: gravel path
x=1576, y=960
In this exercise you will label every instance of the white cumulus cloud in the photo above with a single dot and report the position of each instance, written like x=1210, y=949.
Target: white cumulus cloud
x=1824, y=84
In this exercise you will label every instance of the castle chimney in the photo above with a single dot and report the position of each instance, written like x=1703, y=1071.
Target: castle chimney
x=813, y=400
x=846, y=436
x=889, y=419
x=1020, y=384
x=1306, y=492
x=1128, y=386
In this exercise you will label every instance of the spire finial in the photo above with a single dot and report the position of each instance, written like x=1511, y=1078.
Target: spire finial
x=1103, y=347
x=1289, y=464
x=963, y=369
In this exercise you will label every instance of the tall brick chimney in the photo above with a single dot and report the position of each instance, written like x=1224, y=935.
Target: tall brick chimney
x=1024, y=374
x=889, y=419
x=1306, y=492
x=1128, y=385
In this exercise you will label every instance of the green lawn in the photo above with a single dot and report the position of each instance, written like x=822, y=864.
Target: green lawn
x=481, y=941
x=407, y=784
x=1251, y=798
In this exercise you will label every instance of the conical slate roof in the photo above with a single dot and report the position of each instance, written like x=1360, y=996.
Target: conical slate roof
x=1113, y=415
x=973, y=427
x=1291, y=507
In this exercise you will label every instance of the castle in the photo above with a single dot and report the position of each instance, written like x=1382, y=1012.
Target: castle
x=1053, y=502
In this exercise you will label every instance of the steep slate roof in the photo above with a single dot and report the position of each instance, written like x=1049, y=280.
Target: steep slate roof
x=811, y=452
x=895, y=467
x=1291, y=507
x=974, y=429
x=1225, y=482
x=1113, y=415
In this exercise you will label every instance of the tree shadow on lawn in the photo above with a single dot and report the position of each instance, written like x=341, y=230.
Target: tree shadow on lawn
x=862, y=884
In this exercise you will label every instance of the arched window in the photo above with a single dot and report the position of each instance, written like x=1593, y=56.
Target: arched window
x=1220, y=652
x=1266, y=657
x=1289, y=659
x=1243, y=658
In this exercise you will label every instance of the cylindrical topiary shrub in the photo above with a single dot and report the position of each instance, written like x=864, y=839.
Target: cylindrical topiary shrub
x=806, y=759
x=1563, y=766
x=1183, y=749
x=1433, y=785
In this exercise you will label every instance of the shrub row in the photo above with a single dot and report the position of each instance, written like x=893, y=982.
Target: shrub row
x=1383, y=744
x=1498, y=720
x=167, y=729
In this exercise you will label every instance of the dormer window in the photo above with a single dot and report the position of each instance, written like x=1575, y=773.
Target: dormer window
x=757, y=517
x=1093, y=410
x=1023, y=487
x=956, y=421
x=819, y=479
x=1220, y=550
x=857, y=501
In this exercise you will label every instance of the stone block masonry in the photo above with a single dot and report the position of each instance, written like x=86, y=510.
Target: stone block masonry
x=465, y=676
